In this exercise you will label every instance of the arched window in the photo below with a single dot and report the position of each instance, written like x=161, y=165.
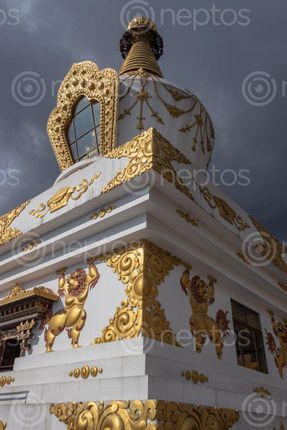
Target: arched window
x=83, y=132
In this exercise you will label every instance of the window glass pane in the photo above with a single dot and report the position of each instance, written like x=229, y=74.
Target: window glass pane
x=83, y=122
x=70, y=133
x=74, y=151
x=82, y=103
x=253, y=321
x=83, y=133
x=86, y=144
x=249, y=340
x=97, y=113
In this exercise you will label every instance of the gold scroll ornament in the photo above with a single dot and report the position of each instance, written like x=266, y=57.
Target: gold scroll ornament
x=142, y=268
x=148, y=151
x=7, y=232
x=149, y=415
x=62, y=198
x=224, y=209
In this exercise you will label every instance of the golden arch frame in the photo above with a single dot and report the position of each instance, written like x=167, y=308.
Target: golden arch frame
x=84, y=79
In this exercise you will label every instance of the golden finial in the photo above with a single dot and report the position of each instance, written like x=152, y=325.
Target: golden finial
x=141, y=46
x=140, y=21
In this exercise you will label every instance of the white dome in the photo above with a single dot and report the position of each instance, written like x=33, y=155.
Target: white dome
x=147, y=101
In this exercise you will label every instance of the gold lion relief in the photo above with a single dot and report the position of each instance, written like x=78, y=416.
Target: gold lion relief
x=202, y=326
x=280, y=354
x=75, y=289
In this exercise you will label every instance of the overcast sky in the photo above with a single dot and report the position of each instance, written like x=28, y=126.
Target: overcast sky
x=210, y=52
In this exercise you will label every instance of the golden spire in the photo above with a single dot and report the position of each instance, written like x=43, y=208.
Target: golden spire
x=141, y=46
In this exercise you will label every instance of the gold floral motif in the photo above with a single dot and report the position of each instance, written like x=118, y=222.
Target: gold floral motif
x=84, y=80
x=187, y=217
x=62, y=198
x=85, y=372
x=202, y=326
x=262, y=392
x=103, y=212
x=272, y=249
x=7, y=232
x=6, y=380
x=194, y=376
x=142, y=267
x=3, y=425
x=132, y=415
x=149, y=415
x=172, y=415
x=224, y=209
x=148, y=151
x=75, y=288
x=18, y=293
x=279, y=354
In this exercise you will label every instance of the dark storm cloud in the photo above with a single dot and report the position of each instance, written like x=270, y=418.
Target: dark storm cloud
x=212, y=60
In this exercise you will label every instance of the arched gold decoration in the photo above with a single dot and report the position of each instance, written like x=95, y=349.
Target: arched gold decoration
x=84, y=80
x=149, y=415
x=7, y=232
x=142, y=267
x=75, y=288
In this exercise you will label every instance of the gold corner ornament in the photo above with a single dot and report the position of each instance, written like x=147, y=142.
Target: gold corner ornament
x=84, y=79
x=62, y=198
x=3, y=426
x=75, y=288
x=271, y=248
x=8, y=233
x=137, y=414
x=141, y=267
x=148, y=151
x=85, y=372
x=224, y=209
